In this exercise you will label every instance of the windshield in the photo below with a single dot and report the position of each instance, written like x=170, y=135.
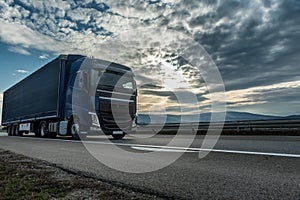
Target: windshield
x=110, y=80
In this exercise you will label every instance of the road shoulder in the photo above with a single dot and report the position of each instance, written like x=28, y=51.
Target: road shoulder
x=26, y=178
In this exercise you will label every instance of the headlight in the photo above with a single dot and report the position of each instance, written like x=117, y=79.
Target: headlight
x=95, y=120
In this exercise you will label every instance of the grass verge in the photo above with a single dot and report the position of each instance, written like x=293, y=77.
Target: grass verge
x=25, y=178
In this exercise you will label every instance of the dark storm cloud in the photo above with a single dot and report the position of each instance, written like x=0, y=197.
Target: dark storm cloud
x=150, y=86
x=257, y=53
x=283, y=95
x=253, y=43
x=279, y=99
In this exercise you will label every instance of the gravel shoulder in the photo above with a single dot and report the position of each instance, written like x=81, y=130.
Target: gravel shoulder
x=26, y=178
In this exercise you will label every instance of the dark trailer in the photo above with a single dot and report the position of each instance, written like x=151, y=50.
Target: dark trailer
x=42, y=102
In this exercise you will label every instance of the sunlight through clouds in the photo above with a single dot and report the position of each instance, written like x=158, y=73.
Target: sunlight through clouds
x=253, y=43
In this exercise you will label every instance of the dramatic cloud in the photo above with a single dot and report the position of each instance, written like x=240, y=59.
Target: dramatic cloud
x=274, y=99
x=253, y=43
x=19, y=50
x=24, y=37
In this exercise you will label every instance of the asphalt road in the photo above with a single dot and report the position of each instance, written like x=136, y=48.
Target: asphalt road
x=239, y=167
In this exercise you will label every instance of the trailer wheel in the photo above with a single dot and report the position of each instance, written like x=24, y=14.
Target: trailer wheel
x=74, y=128
x=36, y=129
x=15, y=130
x=43, y=129
x=9, y=130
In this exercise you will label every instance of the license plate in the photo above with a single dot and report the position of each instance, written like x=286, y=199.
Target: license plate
x=117, y=132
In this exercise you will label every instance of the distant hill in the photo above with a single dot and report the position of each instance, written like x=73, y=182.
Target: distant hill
x=292, y=117
x=244, y=116
x=145, y=119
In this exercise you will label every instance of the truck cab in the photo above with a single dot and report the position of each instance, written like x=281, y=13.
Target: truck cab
x=103, y=95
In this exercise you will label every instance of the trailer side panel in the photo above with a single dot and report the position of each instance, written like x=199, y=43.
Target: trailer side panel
x=35, y=96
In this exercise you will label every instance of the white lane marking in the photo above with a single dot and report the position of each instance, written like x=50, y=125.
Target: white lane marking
x=192, y=150
x=162, y=149
x=171, y=147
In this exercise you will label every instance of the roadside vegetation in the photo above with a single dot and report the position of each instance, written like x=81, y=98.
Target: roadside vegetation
x=25, y=178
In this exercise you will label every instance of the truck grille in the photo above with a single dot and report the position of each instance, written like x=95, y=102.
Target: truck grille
x=123, y=103
x=108, y=122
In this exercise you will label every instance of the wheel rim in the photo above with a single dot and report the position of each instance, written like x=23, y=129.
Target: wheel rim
x=75, y=129
x=43, y=130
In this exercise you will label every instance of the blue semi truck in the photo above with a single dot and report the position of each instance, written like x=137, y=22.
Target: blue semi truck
x=46, y=102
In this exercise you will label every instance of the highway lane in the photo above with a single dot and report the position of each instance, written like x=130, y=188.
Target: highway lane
x=219, y=175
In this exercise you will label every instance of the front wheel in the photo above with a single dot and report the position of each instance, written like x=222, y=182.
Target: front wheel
x=74, y=128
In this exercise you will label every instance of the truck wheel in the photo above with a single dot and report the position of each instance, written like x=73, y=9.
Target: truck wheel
x=74, y=128
x=36, y=129
x=15, y=130
x=119, y=136
x=43, y=129
x=9, y=131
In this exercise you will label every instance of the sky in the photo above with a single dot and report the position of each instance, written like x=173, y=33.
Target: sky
x=254, y=45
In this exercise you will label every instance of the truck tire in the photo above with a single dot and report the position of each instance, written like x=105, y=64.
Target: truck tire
x=74, y=128
x=15, y=130
x=43, y=129
x=119, y=136
x=9, y=131
x=36, y=129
